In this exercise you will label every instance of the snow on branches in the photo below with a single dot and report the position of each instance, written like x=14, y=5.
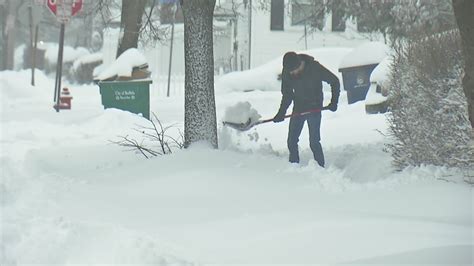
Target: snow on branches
x=429, y=120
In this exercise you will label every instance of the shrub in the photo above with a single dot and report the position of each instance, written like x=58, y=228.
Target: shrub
x=429, y=119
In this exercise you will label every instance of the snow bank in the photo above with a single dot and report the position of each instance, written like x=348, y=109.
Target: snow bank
x=124, y=65
x=365, y=54
x=241, y=112
x=16, y=86
x=265, y=77
x=374, y=97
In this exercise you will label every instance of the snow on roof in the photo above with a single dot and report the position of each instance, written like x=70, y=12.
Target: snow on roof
x=366, y=54
x=123, y=65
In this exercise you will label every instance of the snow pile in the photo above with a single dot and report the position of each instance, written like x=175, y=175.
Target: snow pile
x=241, y=112
x=124, y=65
x=70, y=54
x=265, y=77
x=381, y=72
x=366, y=54
x=379, y=78
x=374, y=97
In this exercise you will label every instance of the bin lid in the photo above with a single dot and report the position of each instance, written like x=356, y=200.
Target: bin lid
x=368, y=53
x=149, y=81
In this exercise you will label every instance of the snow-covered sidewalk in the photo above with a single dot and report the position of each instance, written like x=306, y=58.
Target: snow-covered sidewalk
x=69, y=196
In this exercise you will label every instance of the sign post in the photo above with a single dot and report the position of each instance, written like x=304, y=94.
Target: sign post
x=175, y=10
x=64, y=10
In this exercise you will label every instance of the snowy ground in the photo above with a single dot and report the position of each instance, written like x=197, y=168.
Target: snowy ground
x=69, y=197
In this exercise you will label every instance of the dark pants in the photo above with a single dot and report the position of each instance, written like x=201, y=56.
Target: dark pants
x=296, y=125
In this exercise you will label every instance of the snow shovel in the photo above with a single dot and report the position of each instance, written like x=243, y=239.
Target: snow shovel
x=249, y=124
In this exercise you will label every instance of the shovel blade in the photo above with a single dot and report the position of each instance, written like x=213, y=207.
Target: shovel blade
x=240, y=126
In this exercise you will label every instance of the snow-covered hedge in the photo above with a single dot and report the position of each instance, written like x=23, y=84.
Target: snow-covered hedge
x=429, y=122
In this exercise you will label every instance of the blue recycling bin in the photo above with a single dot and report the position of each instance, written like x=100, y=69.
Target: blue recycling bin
x=356, y=81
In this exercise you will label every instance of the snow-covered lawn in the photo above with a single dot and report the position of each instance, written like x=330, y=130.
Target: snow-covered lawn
x=70, y=197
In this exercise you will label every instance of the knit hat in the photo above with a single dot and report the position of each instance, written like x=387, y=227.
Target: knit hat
x=291, y=61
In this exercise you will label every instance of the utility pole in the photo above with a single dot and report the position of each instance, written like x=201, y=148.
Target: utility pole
x=306, y=34
x=250, y=34
x=31, y=62
x=171, y=47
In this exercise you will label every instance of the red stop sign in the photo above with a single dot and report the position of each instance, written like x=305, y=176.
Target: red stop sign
x=76, y=5
x=52, y=6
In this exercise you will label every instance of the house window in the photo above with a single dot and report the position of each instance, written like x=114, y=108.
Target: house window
x=277, y=12
x=307, y=11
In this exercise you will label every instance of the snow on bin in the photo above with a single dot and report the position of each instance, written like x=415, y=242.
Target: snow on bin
x=125, y=84
x=357, y=66
x=376, y=100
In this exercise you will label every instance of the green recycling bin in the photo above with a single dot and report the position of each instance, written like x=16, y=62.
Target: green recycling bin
x=127, y=95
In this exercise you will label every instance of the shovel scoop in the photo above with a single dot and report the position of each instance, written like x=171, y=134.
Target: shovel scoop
x=245, y=126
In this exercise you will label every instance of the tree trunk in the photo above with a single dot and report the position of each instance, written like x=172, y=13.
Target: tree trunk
x=464, y=12
x=131, y=23
x=200, y=107
x=9, y=33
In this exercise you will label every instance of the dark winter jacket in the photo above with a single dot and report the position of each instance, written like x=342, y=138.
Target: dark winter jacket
x=306, y=92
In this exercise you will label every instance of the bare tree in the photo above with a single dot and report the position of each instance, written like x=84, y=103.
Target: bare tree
x=464, y=10
x=131, y=23
x=200, y=107
x=9, y=11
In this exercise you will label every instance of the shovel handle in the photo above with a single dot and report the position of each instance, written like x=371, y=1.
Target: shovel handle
x=295, y=114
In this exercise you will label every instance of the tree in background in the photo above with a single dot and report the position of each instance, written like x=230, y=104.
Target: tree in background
x=394, y=19
x=139, y=21
x=464, y=11
x=3, y=14
x=412, y=18
x=9, y=11
x=200, y=107
x=130, y=25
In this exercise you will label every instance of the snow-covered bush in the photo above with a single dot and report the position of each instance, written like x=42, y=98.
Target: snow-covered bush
x=82, y=70
x=429, y=120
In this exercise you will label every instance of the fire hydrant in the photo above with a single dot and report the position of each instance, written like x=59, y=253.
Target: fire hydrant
x=64, y=99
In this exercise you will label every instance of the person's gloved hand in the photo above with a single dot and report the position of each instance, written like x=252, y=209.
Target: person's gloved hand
x=332, y=106
x=279, y=117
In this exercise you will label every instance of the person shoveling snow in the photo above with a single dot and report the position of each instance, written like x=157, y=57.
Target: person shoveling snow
x=302, y=79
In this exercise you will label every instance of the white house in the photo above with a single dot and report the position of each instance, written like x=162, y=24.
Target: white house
x=249, y=34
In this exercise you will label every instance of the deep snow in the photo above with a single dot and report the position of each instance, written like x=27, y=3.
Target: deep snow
x=69, y=196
